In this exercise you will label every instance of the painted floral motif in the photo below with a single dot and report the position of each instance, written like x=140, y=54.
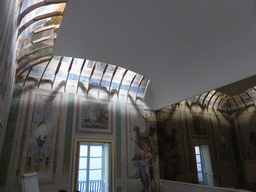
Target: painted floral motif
x=39, y=153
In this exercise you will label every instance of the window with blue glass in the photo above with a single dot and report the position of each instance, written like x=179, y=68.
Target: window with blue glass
x=93, y=167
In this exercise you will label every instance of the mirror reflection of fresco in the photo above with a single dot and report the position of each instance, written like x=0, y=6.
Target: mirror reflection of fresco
x=182, y=126
x=252, y=139
x=198, y=125
x=172, y=163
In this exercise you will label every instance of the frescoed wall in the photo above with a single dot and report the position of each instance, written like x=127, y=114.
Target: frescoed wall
x=230, y=138
x=142, y=150
x=150, y=145
x=43, y=124
x=38, y=133
x=247, y=127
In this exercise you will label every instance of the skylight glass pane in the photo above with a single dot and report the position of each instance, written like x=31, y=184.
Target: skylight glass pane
x=90, y=63
x=95, y=163
x=95, y=175
x=111, y=68
x=100, y=65
x=82, y=175
x=83, y=150
x=96, y=151
x=83, y=163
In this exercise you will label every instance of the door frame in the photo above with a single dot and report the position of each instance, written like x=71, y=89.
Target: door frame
x=75, y=159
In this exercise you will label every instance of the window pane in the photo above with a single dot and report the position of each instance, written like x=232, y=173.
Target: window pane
x=200, y=177
x=95, y=175
x=198, y=159
x=83, y=150
x=83, y=163
x=82, y=175
x=199, y=167
x=96, y=151
x=95, y=163
x=197, y=150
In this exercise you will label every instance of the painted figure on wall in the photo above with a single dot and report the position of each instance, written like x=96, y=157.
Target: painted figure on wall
x=172, y=157
x=252, y=139
x=247, y=124
x=224, y=149
x=223, y=143
x=145, y=158
x=198, y=125
x=170, y=148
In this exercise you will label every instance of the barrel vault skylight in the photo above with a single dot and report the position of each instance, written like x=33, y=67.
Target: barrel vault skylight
x=39, y=21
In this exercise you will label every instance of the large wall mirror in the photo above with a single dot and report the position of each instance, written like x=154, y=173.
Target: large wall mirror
x=206, y=146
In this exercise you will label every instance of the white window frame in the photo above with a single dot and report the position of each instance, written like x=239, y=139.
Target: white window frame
x=89, y=158
x=75, y=160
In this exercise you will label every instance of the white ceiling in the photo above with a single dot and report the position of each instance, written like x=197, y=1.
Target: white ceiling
x=184, y=47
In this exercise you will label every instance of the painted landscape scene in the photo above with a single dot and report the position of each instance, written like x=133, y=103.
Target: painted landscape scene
x=95, y=115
